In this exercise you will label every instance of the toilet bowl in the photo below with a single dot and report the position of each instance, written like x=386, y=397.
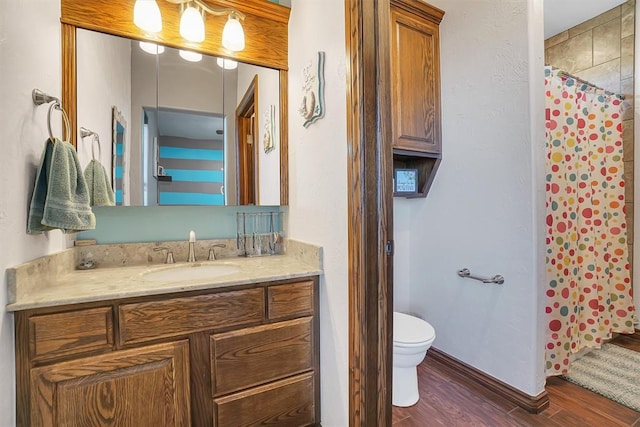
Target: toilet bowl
x=412, y=337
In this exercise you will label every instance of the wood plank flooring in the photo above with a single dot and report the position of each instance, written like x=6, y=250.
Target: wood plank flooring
x=447, y=398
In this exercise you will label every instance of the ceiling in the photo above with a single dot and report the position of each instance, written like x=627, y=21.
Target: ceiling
x=560, y=15
x=187, y=124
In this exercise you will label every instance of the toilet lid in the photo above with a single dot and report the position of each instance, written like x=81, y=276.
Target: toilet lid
x=411, y=330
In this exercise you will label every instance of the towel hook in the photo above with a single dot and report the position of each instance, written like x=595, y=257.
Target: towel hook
x=40, y=98
x=58, y=107
x=95, y=139
x=84, y=132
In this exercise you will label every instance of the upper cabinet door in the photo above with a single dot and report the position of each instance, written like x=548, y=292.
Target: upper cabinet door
x=415, y=62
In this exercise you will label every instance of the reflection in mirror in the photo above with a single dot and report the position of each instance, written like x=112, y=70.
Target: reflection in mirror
x=180, y=110
x=188, y=153
x=104, y=83
x=117, y=146
x=182, y=156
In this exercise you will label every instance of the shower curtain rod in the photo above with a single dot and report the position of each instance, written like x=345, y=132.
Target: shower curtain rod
x=562, y=73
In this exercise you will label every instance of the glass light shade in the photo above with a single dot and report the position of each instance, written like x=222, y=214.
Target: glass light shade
x=151, y=48
x=227, y=64
x=233, y=34
x=192, y=25
x=146, y=16
x=187, y=55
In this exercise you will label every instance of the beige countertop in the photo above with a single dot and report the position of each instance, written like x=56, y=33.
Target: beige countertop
x=43, y=283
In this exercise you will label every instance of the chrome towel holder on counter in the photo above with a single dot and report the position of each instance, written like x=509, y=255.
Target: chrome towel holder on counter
x=497, y=279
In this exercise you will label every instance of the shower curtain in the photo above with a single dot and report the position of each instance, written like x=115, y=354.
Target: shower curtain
x=589, y=293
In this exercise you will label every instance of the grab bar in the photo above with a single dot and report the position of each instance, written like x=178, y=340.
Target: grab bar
x=497, y=279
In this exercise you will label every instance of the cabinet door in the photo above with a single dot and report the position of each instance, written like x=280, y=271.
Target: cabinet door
x=415, y=71
x=142, y=387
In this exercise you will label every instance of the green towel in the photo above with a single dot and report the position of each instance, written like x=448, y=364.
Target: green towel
x=100, y=191
x=60, y=197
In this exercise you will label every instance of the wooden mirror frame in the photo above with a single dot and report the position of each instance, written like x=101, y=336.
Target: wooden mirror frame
x=266, y=28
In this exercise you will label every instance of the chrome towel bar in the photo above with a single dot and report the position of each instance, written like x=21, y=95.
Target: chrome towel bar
x=465, y=272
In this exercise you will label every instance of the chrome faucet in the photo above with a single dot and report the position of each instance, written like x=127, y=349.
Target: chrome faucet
x=212, y=251
x=169, y=259
x=192, y=242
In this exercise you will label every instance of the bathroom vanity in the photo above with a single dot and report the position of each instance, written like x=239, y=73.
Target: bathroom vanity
x=110, y=347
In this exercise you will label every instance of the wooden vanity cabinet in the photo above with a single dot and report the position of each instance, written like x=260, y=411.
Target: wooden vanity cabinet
x=415, y=86
x=226, y=357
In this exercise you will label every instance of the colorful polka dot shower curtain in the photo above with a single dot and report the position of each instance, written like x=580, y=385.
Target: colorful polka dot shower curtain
x=589, y=293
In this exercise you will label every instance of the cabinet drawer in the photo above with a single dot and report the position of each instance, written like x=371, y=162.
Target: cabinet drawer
x=73, y=332
x=288, y=402
x=253, y=356
x=295, y=299
x=156, y=319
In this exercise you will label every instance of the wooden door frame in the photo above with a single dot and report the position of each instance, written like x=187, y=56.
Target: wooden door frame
x=370, y=212
x=246, y=109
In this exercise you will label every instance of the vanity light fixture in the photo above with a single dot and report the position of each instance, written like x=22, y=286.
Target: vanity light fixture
x=152, y=48
x=187, y=55
x=233, y=34
x=192, y=24
x=146, y=15
x=227, y=64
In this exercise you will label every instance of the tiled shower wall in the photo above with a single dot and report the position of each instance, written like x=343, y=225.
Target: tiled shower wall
x=601, y=51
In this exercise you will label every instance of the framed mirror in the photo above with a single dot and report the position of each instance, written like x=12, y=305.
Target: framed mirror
x=173, y=168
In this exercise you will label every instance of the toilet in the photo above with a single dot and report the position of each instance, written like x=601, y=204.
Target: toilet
x=412, y=337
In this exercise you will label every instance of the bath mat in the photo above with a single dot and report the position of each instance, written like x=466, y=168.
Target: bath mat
x=612, y=371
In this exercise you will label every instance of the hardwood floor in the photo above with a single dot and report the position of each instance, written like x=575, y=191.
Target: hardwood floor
x=447, y=398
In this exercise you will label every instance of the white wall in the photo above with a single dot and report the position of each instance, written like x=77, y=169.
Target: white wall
x=318, y=187
x=29, y=58
x=485, y=208
x=268, y=95
x=401, y=255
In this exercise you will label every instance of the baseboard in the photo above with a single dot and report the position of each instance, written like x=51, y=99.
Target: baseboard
x=633, y=336
x=532, y=404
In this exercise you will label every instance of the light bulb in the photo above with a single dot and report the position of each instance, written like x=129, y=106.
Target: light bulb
x=233, y=34
x=192, y=25
x=227, y=64
x=187, y=55
x=146, y=16
x=151, y=48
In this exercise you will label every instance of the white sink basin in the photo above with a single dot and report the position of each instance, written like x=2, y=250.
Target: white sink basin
x=195, y=271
